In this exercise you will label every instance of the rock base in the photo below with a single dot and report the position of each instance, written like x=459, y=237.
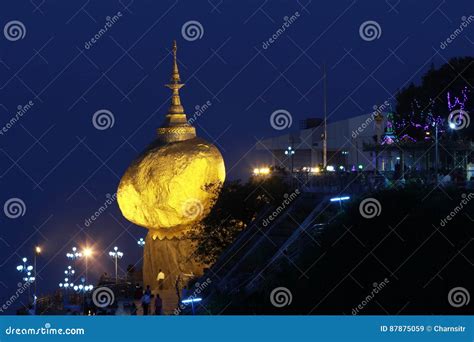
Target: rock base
x=173, y=257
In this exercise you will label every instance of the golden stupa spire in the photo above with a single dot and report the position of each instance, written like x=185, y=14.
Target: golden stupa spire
x=175, y=85
x=176, y=126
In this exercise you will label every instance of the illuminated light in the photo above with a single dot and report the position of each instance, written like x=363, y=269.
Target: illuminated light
x=315, y=170
x=87, y=252
x=341, y=167
x=398, y=158
x=19, y=268
x=60, y=284
x=330, y=168
x=360, y=166
x=338, y=199
x=29, y=268
x=452, y=125
x=24, y=259
x=261, y=171
x=191, y=300
x=38, y=249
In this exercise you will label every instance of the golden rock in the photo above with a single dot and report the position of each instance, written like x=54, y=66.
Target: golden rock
x=174, y=182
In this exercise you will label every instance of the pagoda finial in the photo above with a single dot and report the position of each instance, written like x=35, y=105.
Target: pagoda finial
x=175, y=85
x=176, y=126
x=175, y=75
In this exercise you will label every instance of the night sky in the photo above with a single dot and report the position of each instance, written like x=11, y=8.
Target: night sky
x=63, y=168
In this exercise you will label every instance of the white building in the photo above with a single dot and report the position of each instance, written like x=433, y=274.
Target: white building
x=345, y=139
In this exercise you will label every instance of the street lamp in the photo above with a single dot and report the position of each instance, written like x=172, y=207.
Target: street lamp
x=74, y=255
x=37, y=252
x=141, y=242
x=116, y=254
x=290, y=152
x=87, y=252
x=25, y=270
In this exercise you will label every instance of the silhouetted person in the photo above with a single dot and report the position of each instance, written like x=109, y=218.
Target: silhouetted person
x=158, y=305
x=146, y=300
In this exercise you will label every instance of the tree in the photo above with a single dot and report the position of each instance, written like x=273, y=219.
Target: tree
x=441, y=92
x=235, y=208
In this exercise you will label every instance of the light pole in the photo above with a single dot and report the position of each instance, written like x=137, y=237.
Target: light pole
x=74, y=256
x=37, y=252
x=290, y=152
x=26, y=270
x=87, y=252
x=116, y=254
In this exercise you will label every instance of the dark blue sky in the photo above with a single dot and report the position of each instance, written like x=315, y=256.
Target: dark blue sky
x=62, y=167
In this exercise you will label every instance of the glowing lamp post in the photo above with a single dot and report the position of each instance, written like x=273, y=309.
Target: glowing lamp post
x=290, y=152
x=37, y=253
x=25, y=270
x=87, y=252
x=116, y=254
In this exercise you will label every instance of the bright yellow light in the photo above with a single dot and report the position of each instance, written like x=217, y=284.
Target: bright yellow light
x=87, y=252
x=38, y=249
x=315, y=170
x=256, y=171
x=264, y=170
